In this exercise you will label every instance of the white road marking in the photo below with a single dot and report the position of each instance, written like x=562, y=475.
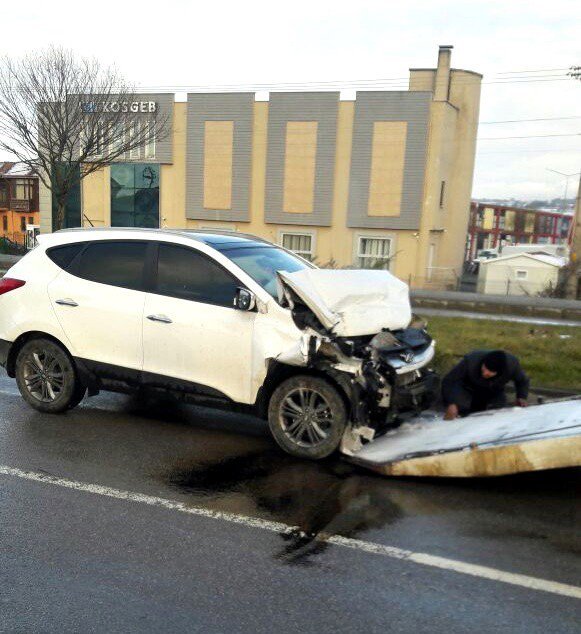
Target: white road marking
x=424, y=559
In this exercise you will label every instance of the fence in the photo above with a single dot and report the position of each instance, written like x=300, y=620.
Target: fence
x=436, y=279
x=511, y=286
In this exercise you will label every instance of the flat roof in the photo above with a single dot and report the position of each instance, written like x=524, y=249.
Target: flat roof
x=476, y=203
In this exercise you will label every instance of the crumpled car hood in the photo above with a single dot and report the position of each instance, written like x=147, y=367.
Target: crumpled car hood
x=351, y=303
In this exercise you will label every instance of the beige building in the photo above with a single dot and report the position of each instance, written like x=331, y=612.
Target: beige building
x=519, y=274
x=378, y=179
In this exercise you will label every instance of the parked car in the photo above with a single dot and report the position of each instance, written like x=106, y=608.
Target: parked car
x=219, y=318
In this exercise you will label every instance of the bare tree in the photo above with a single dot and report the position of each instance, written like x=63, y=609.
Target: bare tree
x=66, y=117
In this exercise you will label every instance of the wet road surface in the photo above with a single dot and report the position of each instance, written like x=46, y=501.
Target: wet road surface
x=74, y=561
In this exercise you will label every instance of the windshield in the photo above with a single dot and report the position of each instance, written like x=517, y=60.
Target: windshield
x=262, y=263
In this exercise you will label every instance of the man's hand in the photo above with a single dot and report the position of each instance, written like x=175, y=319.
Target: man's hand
x=451, y=412
x=521, y=402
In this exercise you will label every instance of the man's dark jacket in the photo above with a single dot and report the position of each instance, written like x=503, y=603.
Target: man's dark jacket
x=467, y=376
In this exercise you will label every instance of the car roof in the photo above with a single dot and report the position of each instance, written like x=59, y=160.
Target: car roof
x=219, y=239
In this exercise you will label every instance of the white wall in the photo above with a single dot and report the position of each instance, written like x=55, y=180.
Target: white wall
x=501, y=277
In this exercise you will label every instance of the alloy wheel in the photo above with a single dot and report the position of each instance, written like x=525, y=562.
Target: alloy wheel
x=306, y=417
x=44, y=376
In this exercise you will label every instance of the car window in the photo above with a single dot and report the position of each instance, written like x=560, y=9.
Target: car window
x=186, y=274
x=63, y=256
x=114, y=263
x=262, y=263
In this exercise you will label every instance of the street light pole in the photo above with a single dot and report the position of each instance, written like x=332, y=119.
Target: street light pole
x=567, y=177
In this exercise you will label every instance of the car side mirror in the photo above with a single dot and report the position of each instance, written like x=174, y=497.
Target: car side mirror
x=244, y=300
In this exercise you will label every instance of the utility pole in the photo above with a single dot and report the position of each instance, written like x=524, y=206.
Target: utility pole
x=575, y=72
x=567, y=177
x=574, y=282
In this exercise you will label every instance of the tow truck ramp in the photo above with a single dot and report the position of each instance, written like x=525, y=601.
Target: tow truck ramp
x=492, y=443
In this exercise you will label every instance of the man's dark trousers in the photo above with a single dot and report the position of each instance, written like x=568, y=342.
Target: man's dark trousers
x=469, y=402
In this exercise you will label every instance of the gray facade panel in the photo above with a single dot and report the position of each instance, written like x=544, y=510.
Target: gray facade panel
x=236, y=107
x=414, y=108
x=284, y=107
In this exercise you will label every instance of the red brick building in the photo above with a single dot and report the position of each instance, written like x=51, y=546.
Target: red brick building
x=18, y=201
x=492, y=226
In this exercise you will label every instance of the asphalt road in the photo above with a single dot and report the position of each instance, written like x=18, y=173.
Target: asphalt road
x=88, y=552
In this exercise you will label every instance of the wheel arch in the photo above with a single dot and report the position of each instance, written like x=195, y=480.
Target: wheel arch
x=279, y=372
x=25, y=338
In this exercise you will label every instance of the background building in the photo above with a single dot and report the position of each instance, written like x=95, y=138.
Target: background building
x=520, y=274
x=574, y=272
x=375, y=179
x=493, y=226
x=19, y=199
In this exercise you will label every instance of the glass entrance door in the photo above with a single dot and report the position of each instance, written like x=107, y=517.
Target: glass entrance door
x=135, y=195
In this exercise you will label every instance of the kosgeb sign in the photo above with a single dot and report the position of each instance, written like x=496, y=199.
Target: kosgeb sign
x=145, y=107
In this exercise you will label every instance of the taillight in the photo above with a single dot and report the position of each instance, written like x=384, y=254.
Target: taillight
x=8, y=284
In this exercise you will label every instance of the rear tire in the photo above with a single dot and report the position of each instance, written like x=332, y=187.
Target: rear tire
x=307, y=417
x=46, y=377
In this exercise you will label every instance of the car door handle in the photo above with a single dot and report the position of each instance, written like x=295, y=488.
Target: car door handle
x=161, y=318
x=66, y=302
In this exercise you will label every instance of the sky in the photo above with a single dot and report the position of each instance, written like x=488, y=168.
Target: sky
x=183, y=43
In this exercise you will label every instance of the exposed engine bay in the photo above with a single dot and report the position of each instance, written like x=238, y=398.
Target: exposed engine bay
x=385, y=374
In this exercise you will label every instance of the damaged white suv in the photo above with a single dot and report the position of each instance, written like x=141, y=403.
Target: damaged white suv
x=219, y=318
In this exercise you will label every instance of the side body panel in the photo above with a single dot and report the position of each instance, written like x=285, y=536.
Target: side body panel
x=204, y=344
x=29, y=308
x=106, y=324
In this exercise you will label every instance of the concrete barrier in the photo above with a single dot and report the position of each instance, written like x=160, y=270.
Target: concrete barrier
x=546, y=307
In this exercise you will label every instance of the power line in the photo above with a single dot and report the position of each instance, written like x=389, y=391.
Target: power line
x=374, y=83
x=546, y=151
x=382, y=80
x=531, y=136
x=527, y=120
x=393, y=82
x=542, y=70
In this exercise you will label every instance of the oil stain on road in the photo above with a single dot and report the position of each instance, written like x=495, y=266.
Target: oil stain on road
x=333, y=497
x=330, y=497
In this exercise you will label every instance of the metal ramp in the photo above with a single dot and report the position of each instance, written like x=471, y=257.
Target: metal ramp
x=494, y=443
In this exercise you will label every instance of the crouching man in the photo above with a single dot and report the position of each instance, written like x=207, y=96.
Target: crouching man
x=477, y=383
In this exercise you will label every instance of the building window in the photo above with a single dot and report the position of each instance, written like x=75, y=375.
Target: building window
x=117, y=139
x=91, y=140
x=5, y=223
x=442, y=194
x=30, y=220
x=134, y=195
x=521, y=275
x=150, y=140
x=373, y=253
x=299, y=243
x=3, y=195
x=23, y=189
x=134, y=153
x=23, y=223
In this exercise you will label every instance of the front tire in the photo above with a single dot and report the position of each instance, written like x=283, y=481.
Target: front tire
x=46, y=376
x=307, y=417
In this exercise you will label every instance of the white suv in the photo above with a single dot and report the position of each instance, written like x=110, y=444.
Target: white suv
x=219, y=318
